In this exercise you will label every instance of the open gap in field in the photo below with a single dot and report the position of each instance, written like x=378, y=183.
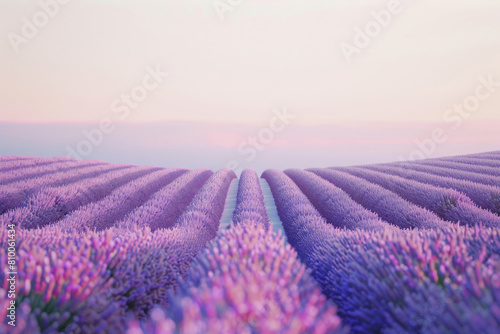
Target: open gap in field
x=274, y=220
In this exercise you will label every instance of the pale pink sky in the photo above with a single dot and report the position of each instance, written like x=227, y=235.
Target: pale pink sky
x=263, y=55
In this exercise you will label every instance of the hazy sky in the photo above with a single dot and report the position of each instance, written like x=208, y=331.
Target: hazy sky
x=264, y=54
x=235, y=63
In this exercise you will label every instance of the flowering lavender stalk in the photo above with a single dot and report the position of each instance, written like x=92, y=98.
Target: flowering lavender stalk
x=448, y=204
x=453, y=173
x=245, y=281
x=14, y=194
x=382, y=201
x=391, y=281
x=486, y=197
x=59, y=276
x=250, y=206
x=52, y=203
x=104, y=213
x=334, y=204
x=164, y=208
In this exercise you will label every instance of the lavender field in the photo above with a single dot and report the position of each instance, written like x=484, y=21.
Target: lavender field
x=96, y=247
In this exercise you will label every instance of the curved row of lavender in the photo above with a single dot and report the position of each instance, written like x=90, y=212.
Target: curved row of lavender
x=382, y=201
x=8, y=158
x=50, y=204
x=245, y=281
x=334, y=204
x=104, y=213
x=490, y=160
x=164, y=208
x=21, y=174
x=485, y=196
x=95, y=281
x=154, y=268
x=15, y=193
x=475, y=168
x=490, y=180
x=250, y=201
x=12, y=165
x=448, y=204
x=397, y=281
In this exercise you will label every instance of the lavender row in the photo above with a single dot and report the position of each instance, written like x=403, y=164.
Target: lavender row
x=334, y=204
x=453, y=173
x=250, y=206
x=296, y=212
x=486, y=197
x=99, y=279
x=164, y=208
x=179, y=245
x=52, y=203
x=386, y=204
x=475, y=161
x=493, y=171
x=14, y=194
x=146, y=279
x=421, y=281
x=391, y=281
x=8, y=158
x=18, y=174
x=205, y=210
x=448, y=204
x=245, y=281
x=91, y=282
x=111, y=209
x=492, y=153
x=14, y=164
